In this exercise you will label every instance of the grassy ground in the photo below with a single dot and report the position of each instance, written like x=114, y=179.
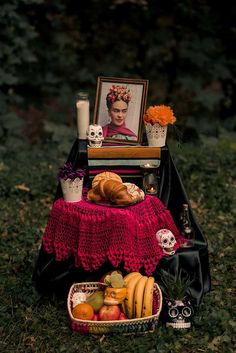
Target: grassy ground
x=30, y=323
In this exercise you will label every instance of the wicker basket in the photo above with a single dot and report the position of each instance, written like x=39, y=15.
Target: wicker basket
x=145, y=324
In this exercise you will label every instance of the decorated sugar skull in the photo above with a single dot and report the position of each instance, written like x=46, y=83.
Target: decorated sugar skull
x=178, y=313
x=95, y=135
x=166, y=240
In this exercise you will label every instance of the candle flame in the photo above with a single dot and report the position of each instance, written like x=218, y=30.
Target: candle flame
x=151, y=189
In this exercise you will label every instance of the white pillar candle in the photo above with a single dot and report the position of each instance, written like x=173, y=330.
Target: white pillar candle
x=82, y=105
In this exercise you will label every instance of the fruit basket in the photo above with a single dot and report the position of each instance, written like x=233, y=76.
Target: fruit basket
x=144, y=324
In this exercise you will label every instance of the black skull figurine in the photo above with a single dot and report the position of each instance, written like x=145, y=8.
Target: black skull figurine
x=178, y=313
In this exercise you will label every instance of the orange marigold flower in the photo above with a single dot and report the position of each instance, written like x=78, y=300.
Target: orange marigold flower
x=160, y=114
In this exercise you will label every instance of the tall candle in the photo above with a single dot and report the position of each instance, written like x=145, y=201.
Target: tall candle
x=82, y=105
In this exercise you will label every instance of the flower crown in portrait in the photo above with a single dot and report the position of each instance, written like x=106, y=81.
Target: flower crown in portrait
x=117, y=93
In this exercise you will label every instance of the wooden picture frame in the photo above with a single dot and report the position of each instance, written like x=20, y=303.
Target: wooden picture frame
x=119, y=109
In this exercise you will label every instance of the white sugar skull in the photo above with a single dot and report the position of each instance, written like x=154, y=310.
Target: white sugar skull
x=166, y=240
x=95, y=135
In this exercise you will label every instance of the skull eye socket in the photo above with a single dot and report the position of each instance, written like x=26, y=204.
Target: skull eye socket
x=165, y=241
x=99, y=133
x=186, y=311
x=173, y=312
x=172, y=238
x=92, y=133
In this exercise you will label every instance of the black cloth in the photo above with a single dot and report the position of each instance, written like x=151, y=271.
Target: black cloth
x=51, y=276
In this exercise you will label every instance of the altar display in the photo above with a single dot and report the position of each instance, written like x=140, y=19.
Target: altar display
x=129, y=219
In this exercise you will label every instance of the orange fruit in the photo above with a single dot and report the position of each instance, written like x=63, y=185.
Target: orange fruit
x=83, y=311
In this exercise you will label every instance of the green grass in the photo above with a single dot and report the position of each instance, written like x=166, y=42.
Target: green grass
x=30, y=323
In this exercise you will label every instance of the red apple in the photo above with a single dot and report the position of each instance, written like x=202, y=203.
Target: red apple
x=122, y=316
x=109, y=313
x=95, y=317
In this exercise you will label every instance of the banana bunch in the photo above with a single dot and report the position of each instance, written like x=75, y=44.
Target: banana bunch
x=139, y=295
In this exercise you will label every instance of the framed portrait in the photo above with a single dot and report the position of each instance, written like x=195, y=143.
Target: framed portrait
x=119, y=109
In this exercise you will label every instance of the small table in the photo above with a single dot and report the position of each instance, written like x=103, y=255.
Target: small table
x=94, y=234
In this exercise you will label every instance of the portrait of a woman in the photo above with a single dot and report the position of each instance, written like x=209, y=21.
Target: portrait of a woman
x=119, y=109
x=117, y=102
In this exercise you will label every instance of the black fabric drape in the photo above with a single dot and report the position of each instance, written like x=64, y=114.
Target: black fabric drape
x=51, y=276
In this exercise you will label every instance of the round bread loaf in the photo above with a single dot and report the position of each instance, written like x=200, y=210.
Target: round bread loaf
x=99, y=187
x=93, y=196
x=106, y=176
x=121, y=197
x=135, y=192
x=110, y=188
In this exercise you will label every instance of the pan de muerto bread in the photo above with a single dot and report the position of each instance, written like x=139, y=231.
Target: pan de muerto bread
x=136, y=193
x=105, y=176
x=115, y=191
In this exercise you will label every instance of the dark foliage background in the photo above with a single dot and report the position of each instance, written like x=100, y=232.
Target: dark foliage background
x=48, y=51
x=52, y=49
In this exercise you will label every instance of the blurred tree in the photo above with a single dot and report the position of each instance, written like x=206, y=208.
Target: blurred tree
x=49, y=50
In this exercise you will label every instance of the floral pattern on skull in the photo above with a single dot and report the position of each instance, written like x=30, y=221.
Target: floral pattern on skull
x=166, y=240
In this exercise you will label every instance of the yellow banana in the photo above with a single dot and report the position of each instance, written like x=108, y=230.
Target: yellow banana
x=138, y=296
x=129, y=299
x=129, y=276
x=148, y=297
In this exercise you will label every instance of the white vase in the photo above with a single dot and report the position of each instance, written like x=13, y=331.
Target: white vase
x=72, y=189
x=156, y=134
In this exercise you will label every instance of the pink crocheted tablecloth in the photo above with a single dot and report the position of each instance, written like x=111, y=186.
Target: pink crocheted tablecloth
x=95, y=234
